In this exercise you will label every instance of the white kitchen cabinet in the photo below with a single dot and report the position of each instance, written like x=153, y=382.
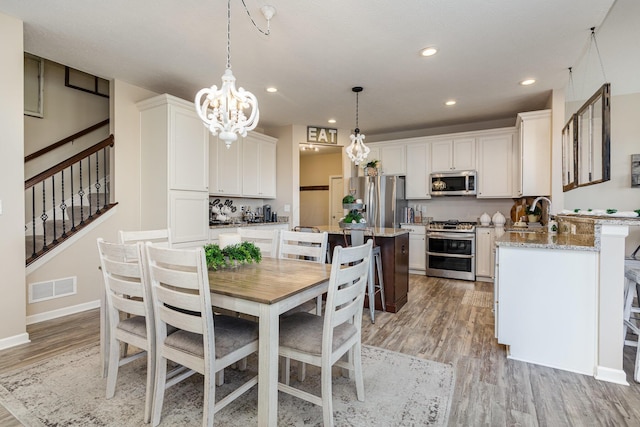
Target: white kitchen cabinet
x=259, y=166
x=548, y=307
x=532, y=157
x=495, y=159
x=453, y=154
x=174, y=173
x=417, y=248
x=225, y=177
x=393, y=159
x=418, y=169
x=485, y=257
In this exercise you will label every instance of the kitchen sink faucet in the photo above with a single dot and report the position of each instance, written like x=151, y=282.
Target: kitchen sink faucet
x=535, y=203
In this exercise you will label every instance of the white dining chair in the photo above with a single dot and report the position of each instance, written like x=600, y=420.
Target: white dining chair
x=129, y=312
x=324, y=340
x=265, y=240
x=304, y=246
x=182, y=299
x=160, y=237
x=631, y=313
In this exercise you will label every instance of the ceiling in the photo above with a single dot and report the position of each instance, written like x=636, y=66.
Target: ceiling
x=319, y=49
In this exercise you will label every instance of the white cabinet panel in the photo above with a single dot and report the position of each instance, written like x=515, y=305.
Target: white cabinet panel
x=393, y=159
x=485, y=237
x=225, y=177
x=189, y=216
x=418, y=169
x=533, y=154
x=188, y=150
x=495, y=156
x=174, y=177
x=453, y=154
x=417, y=248
x=259, y=166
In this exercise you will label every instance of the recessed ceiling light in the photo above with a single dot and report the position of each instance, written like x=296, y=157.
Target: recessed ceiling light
x=428, y=51
x=527, y=82
x=450, y=102
x=272, y=89
x=331, y=121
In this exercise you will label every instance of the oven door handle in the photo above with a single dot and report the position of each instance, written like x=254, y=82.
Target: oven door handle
x=440, y=254
x=450, y=236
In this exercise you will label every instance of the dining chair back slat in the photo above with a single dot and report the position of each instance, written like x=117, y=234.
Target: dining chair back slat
x=129, y=312
x=303, y=246
x=181, y=299
x=341, y=328
x=160, y=237
x=265, y=240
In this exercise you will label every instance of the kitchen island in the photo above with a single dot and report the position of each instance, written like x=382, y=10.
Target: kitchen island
x=558, y=299
x=394, y=248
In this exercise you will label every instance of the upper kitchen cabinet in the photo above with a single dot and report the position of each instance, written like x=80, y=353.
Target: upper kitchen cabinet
x=391, y=155
x=418, y=169
x=174, y=172
x=259, y=166
x=392, y=159
x=453, y=154
x=533, y=154
x=495, y=153
x=225, y=177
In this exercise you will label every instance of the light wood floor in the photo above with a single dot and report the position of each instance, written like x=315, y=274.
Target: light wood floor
x=439, y=323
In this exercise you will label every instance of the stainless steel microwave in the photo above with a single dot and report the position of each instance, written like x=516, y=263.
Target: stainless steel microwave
x=458, y=183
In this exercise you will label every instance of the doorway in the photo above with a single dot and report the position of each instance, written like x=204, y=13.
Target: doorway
x=336, y=190
x=316, y=170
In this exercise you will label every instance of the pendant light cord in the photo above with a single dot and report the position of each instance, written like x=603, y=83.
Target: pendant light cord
x=357, y=129
x=266, y=33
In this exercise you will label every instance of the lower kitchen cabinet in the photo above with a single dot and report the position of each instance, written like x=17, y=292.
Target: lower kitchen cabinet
x=417, y=248
x=485, y=255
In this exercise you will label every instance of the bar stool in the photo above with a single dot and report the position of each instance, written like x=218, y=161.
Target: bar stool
x=630, y=321
x=357, y=239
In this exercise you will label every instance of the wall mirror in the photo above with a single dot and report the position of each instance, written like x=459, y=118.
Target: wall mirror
x=586, y=143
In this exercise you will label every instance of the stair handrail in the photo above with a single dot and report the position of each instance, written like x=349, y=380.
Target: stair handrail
x=68, y=162
x=65, y=140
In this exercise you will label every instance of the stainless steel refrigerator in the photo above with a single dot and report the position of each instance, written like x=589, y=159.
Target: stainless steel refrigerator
x=383, y=197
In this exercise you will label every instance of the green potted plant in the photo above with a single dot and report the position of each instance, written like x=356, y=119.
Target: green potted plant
x=371, y=167
x=232, y=255
x=534, y=215
x=353, y=219
x=349, y=202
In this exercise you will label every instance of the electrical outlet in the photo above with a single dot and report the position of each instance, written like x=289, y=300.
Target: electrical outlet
x=287, y=208
x=0, y=207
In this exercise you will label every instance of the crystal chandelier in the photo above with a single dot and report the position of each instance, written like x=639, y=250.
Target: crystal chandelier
x=357, y=151
x=223, y=110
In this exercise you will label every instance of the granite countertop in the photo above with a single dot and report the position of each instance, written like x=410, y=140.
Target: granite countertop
x=543, y=240
x=244, y=224
x=377, y=231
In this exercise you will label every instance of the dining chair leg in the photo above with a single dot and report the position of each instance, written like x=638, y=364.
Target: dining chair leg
x=158, y=390
x=357, y=364
x=302, y=371
x=148, y=402
x=327, y=398
x=112, y=368
x=220, y=377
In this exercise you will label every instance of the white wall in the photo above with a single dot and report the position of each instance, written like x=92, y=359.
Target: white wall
x=12, y=302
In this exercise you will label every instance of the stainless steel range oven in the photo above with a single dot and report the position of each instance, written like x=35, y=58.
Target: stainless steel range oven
x=451, y=250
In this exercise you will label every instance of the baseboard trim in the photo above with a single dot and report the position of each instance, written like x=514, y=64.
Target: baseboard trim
x=617, y=376
x=54, y=314
x=14, y=341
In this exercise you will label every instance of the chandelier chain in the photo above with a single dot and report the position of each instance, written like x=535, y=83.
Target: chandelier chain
x=228, y=34
x=266, y=33
x=357, y=110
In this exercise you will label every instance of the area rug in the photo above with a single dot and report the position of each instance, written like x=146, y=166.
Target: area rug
x=67, y=390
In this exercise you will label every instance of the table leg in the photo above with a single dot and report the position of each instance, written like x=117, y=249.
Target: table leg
x=268, y=366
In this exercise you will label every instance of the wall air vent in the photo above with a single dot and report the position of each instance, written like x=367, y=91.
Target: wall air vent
x=51, y=289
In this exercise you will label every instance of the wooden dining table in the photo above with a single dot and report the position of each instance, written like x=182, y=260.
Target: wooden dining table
x=266, y=290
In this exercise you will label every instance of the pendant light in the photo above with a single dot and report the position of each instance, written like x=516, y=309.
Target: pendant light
x=223, y=110
x=357, y=151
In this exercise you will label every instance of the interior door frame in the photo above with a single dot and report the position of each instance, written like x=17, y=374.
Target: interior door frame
x=332, y=209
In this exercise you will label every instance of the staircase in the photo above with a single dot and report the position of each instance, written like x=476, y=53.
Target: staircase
x=67, y=197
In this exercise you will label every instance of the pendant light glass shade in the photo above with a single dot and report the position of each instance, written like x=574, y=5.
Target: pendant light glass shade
x=357, y=151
